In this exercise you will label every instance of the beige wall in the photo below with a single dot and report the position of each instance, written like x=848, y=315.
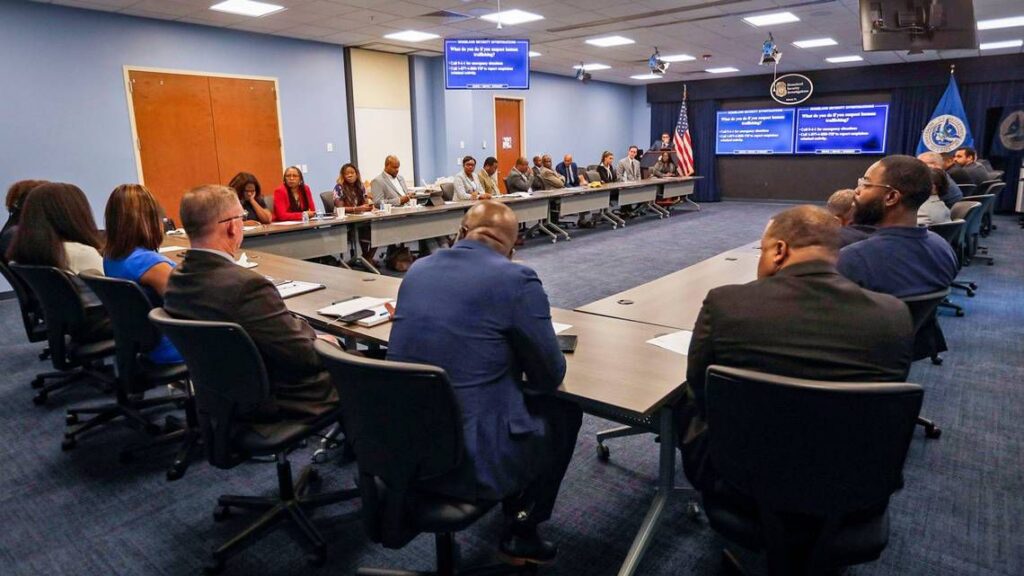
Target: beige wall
x=383, y=110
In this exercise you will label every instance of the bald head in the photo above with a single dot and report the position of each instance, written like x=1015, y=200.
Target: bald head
x=800, y=234
x=932, y=159
x=840, y=204
x=491, y=223
x=391, y=165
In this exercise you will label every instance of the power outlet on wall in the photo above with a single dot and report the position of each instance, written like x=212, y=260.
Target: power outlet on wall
x=330, y=146
x=483, y=144
x=304, y=168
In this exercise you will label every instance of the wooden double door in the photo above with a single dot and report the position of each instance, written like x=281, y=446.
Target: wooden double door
x=192, y=129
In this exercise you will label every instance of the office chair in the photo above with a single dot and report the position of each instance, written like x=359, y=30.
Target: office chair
x=929, y=341
x=593, y=175
x=803, y=475
x=267, y=202
x=327, y=199
x=230, y=379
x=135, y=337
x=968, y=189
x=993, y=188
x=447, y=191
x=400, y=443
x=953, y=233
x=974, y=225
x=32, y=318
x=78, y=343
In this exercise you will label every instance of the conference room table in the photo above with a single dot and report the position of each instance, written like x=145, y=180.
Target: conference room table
x=673, y=301
x=614, y=373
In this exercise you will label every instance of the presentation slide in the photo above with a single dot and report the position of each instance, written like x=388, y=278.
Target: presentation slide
x=854, y=129
x=487, y=64
x=767, y=131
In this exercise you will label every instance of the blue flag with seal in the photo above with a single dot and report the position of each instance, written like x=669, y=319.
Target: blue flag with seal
x=948, y=128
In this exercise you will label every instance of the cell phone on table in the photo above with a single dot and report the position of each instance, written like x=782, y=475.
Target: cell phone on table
x=566, y=342
x=355, y=316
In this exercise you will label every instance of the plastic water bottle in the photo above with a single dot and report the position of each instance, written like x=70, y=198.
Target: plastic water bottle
x=305, y=216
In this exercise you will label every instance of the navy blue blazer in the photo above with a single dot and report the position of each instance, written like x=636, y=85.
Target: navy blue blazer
x=571, y=173
x=486, y=321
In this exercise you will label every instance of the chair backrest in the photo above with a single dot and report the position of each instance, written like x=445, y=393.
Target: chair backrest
x=134, y=334
x=593, y=175
x=960, y=209
x=31, y=311
x=267, y=202
x=447, y=191
x=591, y=167
x=227, y=373
x=952, y=232
x=926, y=328
x=995, y=188
x=404, y=425
x=822, y=449
x=922, y=306
x=327, y=198
x=973, y=216
x=62, y=306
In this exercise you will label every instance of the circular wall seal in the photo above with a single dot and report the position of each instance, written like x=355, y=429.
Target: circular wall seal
x=791, y=89
x=944, y=133
x=1011, y=131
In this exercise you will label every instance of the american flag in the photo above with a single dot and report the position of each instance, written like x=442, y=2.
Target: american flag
x=681, y=141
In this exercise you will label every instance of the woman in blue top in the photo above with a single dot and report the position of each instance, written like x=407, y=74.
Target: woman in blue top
x=134, y=234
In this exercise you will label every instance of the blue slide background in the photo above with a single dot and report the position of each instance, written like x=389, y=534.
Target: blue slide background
x=767, y=131
x=487, y=64
x=854, y=129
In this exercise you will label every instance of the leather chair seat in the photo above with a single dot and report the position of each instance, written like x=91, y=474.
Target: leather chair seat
x=86, y=351
x=438, y=514
x=272, y=437
x=157, y=374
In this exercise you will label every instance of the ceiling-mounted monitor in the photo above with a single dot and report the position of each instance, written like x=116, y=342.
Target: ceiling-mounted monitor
x=487, y=64
x=917, y=25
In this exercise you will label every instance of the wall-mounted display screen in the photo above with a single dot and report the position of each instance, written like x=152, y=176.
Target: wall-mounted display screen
x=850, y=129
x=487, y=64
x=855, y=129
x=765, y=131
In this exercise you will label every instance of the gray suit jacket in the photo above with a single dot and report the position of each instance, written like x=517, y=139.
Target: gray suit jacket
x=628, y=170
x=384, y=192
x=519, y=182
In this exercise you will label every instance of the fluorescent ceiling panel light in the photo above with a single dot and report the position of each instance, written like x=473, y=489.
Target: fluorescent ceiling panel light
x=678, y=58
x=1004, y=44
x=609, y=41
x=998, y=23
x=511, y=17
x=842, y=59
x=725, y=70
x=246, y=8
x=411, y=36
x=646, y=77
x=815, y=43
x=771, y=19
x=592, y=67
x=534, y=54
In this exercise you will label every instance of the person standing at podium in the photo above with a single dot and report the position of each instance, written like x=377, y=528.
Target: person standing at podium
x=665, y=143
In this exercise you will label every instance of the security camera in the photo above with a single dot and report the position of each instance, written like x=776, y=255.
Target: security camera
x=770, y=52
x=582, y=75
x=656, y=64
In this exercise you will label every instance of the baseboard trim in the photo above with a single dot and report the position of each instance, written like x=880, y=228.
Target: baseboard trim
x=9, y=295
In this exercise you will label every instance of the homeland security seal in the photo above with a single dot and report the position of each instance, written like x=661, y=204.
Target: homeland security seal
x=944, y=133
x=1011, y=131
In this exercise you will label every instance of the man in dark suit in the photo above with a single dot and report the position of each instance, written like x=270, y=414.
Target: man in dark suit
x=800, y=318
x=521, y=178
x=209, y=285
x=663, y=143
x=571, y=172
x=491, y=326
x=967, y=158
x=958, y=174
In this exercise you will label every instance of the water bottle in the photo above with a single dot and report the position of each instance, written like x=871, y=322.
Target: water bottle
x=305, y=216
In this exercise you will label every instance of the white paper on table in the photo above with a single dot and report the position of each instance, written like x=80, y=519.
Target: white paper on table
x=678, y=342
x=248, y=228
x=164, y=249
x=559, y=328
x=286, y=223
x=354, y=305
x=244, y=262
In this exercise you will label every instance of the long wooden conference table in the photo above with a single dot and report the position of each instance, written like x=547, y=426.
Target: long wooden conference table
x=614, y=372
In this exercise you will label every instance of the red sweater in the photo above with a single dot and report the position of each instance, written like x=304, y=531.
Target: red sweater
x=282, y=209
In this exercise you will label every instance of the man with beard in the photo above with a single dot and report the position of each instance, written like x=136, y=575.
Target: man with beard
x=899, y=258
x=840, y=205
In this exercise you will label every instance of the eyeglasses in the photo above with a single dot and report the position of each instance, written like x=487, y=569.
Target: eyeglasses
x=239, y=217
x=864, y=183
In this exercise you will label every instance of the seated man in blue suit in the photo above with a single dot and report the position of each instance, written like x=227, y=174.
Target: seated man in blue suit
x=486, y=321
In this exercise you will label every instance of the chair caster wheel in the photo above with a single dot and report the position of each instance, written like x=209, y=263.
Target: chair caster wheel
x=933, y=432
x=603, y=453
x=959, y=313
x=972, y=285
x=320, y=456
x=71, y=419
x=221, y=514
x=37, y=382
x=693, y=510
x=937, y=361
x=970, y=293
x=39, y=399
x=175, y=473
x=68, y=444
x=215, y=567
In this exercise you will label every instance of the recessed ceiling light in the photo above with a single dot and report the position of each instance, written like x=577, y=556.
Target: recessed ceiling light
x=592, y=67
x=815, y=43
x=534, y=54
x=411, y=36
x=998, y=23
x=725, y=70
x=842, y=59
x=646, y=77
x=771, y=19
x=511, y=17
x=678, y=58
x=608, y=41
x=246, y=8
x=1004, y=44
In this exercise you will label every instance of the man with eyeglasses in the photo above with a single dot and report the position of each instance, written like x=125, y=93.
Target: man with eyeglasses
x=899, y=258
x=209, y=285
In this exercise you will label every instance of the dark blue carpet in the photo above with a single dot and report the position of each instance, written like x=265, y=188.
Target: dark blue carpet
x=960, y=514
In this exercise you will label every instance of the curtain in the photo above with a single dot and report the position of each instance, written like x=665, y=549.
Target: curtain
x=701, y=116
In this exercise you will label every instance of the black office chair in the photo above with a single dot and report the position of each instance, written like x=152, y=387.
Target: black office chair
x=593, y=175
x=993, y=188
x=327, y=197
x=968, y=189
x=953, y=233
x=806, y=467
x=78, y=337
x=230, y=379
x=400, y=443
x=929, y=341
x=974, y=224
x=448, y=191
x=32, y=318
x=135, y=337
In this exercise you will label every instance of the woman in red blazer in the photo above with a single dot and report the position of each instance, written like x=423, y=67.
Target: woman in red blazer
x=293, y=197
